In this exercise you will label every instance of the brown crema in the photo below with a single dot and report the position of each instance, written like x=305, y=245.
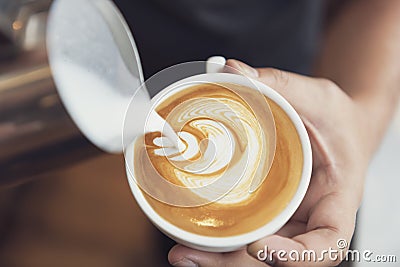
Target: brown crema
x=225, y=216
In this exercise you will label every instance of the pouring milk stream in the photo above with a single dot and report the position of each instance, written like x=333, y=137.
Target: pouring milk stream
x=97, y=70
x=98, y=74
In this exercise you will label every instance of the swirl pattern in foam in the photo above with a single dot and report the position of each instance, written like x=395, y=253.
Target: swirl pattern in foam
x=227, y=134
x=179, y=184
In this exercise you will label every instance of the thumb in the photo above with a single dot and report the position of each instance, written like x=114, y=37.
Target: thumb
x=238, y=67
x=302, y=92
x=285, y=83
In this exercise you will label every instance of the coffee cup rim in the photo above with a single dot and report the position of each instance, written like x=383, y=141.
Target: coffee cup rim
x=228, y=243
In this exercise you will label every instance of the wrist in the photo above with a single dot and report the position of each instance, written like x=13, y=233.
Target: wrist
x=374, y=117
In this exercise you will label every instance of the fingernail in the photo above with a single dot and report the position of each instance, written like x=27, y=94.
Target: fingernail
x=185, y=263
x=247, y=70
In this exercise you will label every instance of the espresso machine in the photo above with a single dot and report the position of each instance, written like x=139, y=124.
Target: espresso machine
x=36, y=132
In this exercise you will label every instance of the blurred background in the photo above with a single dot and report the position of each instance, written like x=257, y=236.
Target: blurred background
x=65, y=203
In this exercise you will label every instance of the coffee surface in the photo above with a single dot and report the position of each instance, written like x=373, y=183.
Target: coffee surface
x=204, y=187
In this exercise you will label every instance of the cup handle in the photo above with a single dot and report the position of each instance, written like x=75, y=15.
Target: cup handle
x=215, y=64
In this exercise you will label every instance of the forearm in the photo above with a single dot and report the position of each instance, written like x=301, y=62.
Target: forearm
x=361, y=53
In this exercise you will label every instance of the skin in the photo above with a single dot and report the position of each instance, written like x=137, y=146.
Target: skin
x=346, y=114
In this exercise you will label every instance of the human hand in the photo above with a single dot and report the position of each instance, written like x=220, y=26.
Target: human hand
x=338, y=132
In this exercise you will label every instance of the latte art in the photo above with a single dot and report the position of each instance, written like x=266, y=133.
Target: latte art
x=225, y=148
x=205, y=185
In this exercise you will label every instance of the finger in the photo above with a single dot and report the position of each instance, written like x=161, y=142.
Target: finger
x=327, y=224
x=182, y=256
x=292, y=228
x=302, y=92
x=237, y=67
x=282, y=81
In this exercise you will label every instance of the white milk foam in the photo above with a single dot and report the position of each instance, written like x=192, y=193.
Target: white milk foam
x=215, y=170
x=98, y=106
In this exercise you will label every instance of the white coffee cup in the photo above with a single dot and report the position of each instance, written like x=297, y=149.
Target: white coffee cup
x=96, y=86
x=230, y=243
